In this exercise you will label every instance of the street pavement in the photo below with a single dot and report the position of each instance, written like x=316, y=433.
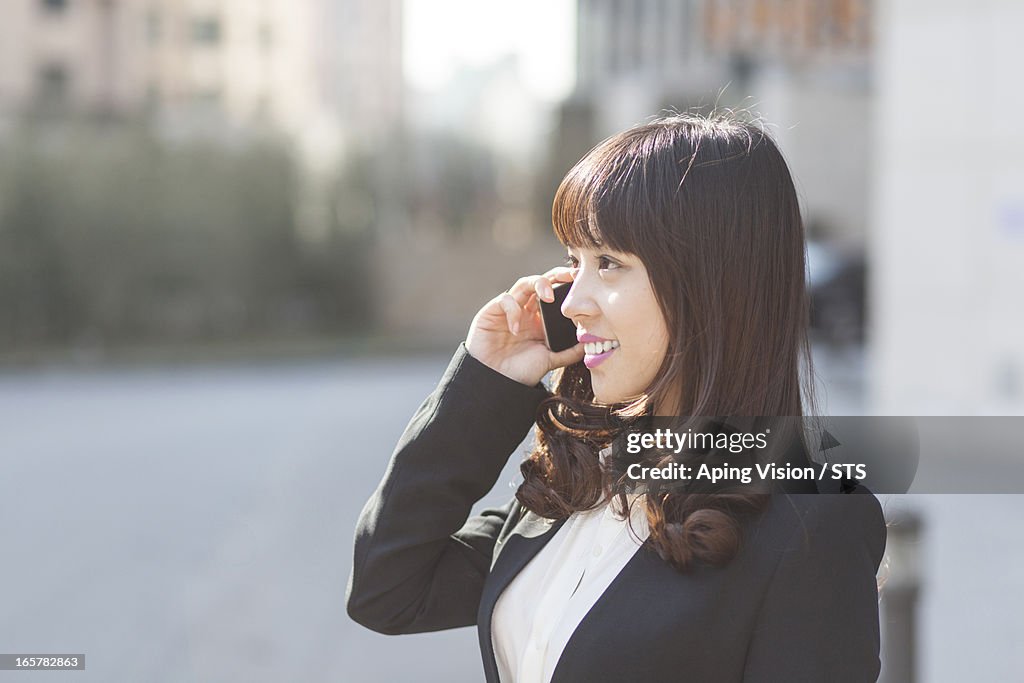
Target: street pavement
x=194, y=523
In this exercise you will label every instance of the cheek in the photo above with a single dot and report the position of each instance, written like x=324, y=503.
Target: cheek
x=655, y=345
x=662, y=335
x=650, y=331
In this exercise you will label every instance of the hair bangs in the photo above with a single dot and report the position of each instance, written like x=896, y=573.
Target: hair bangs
x=572, y=214
x=601, y=201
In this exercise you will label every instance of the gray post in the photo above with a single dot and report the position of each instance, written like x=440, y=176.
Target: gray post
x=899, y=599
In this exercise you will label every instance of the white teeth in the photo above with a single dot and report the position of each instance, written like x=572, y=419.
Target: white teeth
x=595, y=348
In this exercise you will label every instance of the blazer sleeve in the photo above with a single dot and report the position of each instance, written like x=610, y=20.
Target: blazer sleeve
x=420, y=564
x=819, y=618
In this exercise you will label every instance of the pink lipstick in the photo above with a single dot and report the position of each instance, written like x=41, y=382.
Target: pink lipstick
x=592, y=361
x=596, y=349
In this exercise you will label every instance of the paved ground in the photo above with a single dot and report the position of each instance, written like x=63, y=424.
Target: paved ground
x=194, y=524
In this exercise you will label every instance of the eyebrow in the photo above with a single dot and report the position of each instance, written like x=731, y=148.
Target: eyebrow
x=605, y=251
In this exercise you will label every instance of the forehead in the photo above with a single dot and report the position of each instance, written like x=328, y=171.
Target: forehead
x=586, y=247
x=595, y=249
x=602, y=250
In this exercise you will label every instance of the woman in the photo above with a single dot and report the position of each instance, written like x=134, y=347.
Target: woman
x=686, y=257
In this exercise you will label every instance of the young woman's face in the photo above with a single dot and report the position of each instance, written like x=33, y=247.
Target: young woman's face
x=618, y=319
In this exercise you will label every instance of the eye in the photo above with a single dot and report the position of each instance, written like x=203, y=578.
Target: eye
x=603, y=262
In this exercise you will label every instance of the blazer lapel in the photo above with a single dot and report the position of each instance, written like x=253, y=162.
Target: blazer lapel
x=510, y=556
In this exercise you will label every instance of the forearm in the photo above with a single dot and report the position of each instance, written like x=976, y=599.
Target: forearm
x=417, y=559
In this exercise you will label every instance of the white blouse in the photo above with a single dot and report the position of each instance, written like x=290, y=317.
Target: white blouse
x=536, y=614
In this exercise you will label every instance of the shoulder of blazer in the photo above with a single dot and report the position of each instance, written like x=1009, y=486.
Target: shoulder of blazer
x=813, y=520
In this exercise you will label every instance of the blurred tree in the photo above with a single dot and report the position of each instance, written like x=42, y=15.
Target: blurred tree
x=572, y=136
x=452, y=184
x=37, y=300
x=110, y=235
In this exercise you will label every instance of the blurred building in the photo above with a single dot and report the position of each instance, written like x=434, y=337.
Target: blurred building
x=361, y=47
x=947, y=247
x=311, y=69
x=805, y=65
x=691, y=45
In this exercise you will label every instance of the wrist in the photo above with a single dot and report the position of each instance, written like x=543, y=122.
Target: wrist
x=492, y=364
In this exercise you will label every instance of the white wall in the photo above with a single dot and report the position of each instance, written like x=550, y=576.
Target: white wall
x=947, y=235
x=821, y=120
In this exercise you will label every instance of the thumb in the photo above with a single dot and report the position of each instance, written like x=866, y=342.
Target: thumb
x=568, y=357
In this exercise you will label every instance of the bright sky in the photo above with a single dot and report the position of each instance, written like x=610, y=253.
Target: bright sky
x=441, y=35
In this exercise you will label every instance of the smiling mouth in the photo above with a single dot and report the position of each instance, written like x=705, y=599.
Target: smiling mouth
x=596, y=348
x=596, y=353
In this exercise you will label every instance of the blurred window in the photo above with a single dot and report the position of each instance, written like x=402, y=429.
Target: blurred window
x=206, y=31
x=153, y=97
x=55, y=6
x=53, y=84
x=261, y=111
x=614, y=36
x=153, y=26
x=688, y=30
x=636, y=33
x=208, y=97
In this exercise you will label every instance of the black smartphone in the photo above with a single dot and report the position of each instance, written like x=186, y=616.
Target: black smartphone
x=559, y=331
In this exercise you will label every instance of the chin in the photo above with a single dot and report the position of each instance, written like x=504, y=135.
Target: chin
x=612, y=395
x=606, y=397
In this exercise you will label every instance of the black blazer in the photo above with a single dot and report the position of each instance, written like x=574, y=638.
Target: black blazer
x=798, y=603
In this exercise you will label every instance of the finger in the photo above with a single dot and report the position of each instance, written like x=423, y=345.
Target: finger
x=546, y=290
x=532, y=305
x=512, y=311
x=532, y=321
x=560, y=274
x=543, y=289
x=557, y=275
x=568, y=357
x=526, y=286
x=542, y=283
x=523, y=289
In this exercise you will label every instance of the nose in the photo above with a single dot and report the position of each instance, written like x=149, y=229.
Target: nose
x=579, y=303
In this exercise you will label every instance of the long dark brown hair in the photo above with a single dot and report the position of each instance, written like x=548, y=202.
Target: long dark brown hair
x=708, y=204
